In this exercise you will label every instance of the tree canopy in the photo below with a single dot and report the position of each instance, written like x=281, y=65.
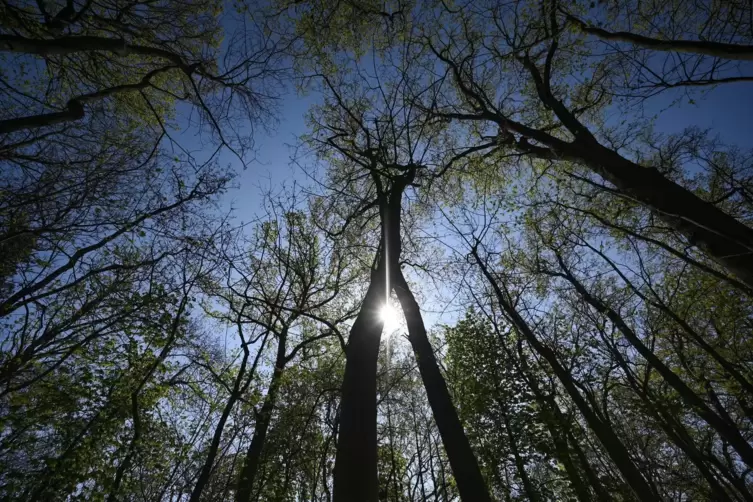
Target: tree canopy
x=498, y=272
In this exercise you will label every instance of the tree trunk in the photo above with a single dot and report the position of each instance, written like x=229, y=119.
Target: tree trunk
x=557, y=427
x=253, y=455
x=607, y=436
x=739, y=52
x=519, y=463
x=675, y=431
x=724, y=428
x=726, y=240
x=728, y=366
x=465, y=468
x=236, y=393
x=471, y=484
x=356, y=460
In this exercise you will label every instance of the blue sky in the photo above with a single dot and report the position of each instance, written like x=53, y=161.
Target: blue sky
x=272, y=166
x=728, y=110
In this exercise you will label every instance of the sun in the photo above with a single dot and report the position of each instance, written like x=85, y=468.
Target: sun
x=389, y=317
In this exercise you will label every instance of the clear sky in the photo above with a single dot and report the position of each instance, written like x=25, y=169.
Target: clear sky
x=728, y=110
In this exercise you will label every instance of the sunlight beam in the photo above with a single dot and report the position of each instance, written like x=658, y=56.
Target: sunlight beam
x=389, y=317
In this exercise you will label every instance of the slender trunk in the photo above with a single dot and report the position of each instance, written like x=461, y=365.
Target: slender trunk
x=593, y=478
x=726, y=429
x=722, y=237
x=519, y=464
x=558, y=427
x=356, y=460
x=711, y=48
x=125, y=464
x=562, y=452
x=675, y=432
x=663, y=245
x=728, y=366
x=393, y=464
x=464, y=466
x=253, y=455
x=607, y=436
x=236, y=393
x=470, y=482
x=419, y=456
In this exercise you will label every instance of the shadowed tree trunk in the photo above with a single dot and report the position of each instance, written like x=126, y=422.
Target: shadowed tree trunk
x=675, y=431
x=722, y=50
x=355, y=476
x=722, y=237
x=725, y=428
x=463, y=462
x=239, y=388
x=557, y=426
x=251, y=464
x=607, y=436
x=726, y=240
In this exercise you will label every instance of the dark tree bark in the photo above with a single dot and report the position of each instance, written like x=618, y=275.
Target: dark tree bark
x=519, y=463
x=702, y=47
x=724, y=428
x=607, y=436
x=675, y=431
x=125, y=464
x=723, y=238
x=663, y=245
x=263, y=418
x=470, y=482
x=239, y=388
x=728, y=241
x=355, y=476
x=657, y=302
x=74, y=109
x=465, y=469
x=558, y=428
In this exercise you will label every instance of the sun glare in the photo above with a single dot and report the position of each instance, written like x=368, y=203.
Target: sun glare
x=389, y=316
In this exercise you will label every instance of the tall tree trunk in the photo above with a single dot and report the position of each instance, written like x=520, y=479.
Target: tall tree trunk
x=253, y=455
x=658, y=302
x=465, y=469
x=125, y=463
x=607, y=436
x=675, y=431
x=662, y=245
x=519, y=463
x=602, y=494
x=562, y=453
x=557, y=426
x=724, y=428
x=239, y=388
x=356, y=460
x=722, y=237
x=722, y=50
x=470, y=482
x=725, y=239
x=393, y=464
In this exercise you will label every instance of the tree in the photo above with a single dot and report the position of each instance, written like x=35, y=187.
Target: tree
x=384, y=160
x=691, y=47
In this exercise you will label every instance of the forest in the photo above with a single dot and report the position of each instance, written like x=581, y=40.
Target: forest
x=507, y=255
